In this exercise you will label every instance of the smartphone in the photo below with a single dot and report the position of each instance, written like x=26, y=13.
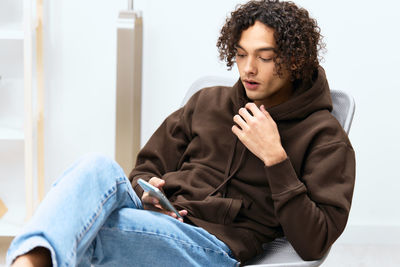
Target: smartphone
x=155, y=192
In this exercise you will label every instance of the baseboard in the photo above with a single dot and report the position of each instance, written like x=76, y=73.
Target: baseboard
x=371, y=234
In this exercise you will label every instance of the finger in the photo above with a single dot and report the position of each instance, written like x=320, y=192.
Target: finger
x=159, y=209
x=146, y=198
x=173, y=214
x=245, y=114
x=254, y=109
x=183, y=212
x=152, y=208
x=158, y=206
x=265, y=112
x=239, y=121
x=157, y=182
x=237, y=131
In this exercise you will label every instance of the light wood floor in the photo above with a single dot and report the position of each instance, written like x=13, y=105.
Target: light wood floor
x=341, y=255
x=4, y=244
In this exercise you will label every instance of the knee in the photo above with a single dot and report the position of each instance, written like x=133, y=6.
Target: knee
x=94, y=168
x=101, y=164
x=97, y=159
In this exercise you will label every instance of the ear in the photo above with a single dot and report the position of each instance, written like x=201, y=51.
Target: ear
x=293, y=66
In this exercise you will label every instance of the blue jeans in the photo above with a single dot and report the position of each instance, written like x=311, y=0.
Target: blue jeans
x=93, y=216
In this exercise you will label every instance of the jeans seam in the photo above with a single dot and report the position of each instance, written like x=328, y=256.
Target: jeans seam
x=170, y=237
x=96, y=214
x=109, y=193
x=134, y=200
x=93, y=218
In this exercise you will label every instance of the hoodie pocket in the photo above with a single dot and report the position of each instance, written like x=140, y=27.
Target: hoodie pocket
x=212, y=209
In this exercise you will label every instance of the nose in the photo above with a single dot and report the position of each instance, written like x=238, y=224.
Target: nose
x=250, y=67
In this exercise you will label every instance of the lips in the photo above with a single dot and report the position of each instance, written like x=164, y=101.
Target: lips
x=251, y=84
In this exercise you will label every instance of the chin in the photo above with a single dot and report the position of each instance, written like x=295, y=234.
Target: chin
x=252, y=95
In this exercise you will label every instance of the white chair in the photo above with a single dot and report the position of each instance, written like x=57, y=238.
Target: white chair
x=280, y=252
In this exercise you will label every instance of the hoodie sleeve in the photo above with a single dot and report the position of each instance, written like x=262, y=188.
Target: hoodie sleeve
x=165, y=148
x=313, y=209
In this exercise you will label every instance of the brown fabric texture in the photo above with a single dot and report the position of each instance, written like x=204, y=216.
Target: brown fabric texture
x=230, y=192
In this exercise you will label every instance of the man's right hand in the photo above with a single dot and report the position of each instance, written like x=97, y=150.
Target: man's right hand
x=152, y=203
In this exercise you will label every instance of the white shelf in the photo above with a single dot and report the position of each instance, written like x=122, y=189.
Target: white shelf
x=12, y=191
x=11, y=35
x=16, y=63
x=11, y=109
x=11, y=32
x=11, y=134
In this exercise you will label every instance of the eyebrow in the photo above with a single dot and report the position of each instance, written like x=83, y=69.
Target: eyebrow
x=268, y=48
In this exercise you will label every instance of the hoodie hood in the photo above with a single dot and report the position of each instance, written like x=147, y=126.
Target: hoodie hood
x=304, y=101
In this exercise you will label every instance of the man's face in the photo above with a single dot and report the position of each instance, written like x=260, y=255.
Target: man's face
x=254, y=58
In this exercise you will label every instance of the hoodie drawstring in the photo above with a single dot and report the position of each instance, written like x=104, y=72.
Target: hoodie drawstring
x=228, y=176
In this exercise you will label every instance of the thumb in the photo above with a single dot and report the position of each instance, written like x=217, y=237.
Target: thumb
x=157, y=182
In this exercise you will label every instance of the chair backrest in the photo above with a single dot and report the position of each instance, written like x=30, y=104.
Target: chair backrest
x=343, y=108
x=280, y=252
x=206, y=81
x=343, y=103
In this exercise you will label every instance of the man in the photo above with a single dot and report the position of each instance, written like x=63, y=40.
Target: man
x=243, y=165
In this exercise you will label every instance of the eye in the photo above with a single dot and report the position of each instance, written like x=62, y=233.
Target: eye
x=263, y=59
x=240, y=55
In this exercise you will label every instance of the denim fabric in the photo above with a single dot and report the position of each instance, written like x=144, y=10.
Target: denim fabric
x=92, y=216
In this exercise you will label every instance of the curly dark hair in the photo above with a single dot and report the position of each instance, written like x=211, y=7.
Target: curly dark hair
x=297, y=36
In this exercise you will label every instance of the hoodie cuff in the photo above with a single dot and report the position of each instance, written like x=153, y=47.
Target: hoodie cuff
x=283, y=179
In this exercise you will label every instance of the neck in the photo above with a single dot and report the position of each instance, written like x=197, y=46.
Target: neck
x=279, y=97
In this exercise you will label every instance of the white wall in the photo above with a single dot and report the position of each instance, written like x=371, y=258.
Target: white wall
x=80, y=56
x=179, y=46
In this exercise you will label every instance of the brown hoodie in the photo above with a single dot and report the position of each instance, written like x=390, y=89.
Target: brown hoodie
x=230, y=192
